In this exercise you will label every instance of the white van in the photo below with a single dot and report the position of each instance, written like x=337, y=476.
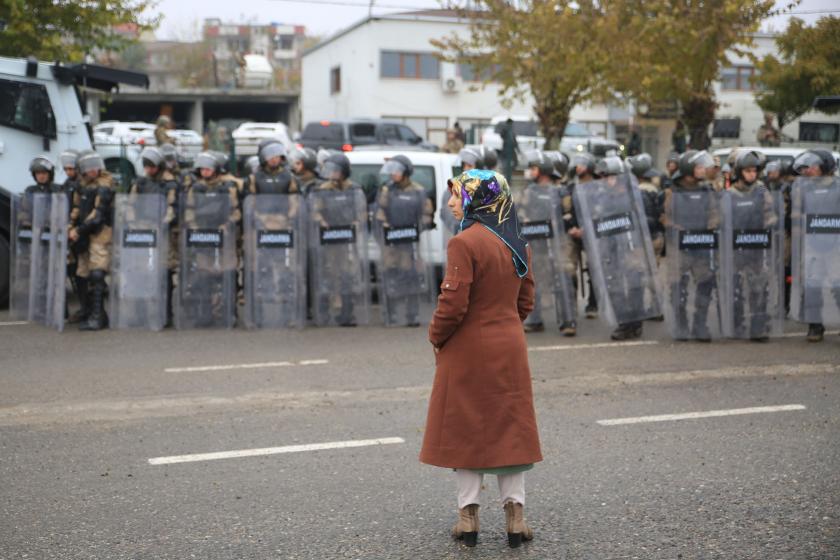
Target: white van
x=40, y=113
x=432, y=170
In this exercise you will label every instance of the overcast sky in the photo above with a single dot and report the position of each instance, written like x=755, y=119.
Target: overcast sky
x=182, y=20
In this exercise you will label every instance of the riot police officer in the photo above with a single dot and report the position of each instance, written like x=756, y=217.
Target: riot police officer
x=272, y=177
x=159, y=179
x=305, y=167
x=642, y=168
x=470, y=158
x=338, y=226
x=690, y=205
x=583, y=169
x=90, y=233
x=489, y=157
x=43, y=172
x=403, y=212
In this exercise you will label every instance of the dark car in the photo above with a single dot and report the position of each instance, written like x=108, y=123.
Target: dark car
x=349, y=134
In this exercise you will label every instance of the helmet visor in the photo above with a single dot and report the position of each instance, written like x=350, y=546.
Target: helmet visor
x=68, y=159
x=703, y=159
x=90, y=162
x=205, y=161
x=805, y=160
x=273, y=150
x=392, y=167
x=332, y=170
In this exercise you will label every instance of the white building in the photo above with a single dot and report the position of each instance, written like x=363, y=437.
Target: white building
x=384, y=67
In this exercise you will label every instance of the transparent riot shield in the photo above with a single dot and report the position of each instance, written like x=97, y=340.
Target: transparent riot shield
x=540, y=222
x=752, y=263
x=138, y=263
x=21, y=257
x=449, y=224
x=57, y=273
x=40, y=269
x=815, y=251
x=692, y=241
x=619, y=250
x=403, y=274
x=337, y=234
x=275, y=261
x=207, y=281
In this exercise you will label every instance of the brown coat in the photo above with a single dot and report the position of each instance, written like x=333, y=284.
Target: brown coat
x=481, y=412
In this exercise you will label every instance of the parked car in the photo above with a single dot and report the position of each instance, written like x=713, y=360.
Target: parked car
x=247, y=136
x=188, y=143
x=347, y=135
x=116, y=132
x=576, y=137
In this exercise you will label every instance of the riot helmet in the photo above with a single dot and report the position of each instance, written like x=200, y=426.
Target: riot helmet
x=399, y=164
x=151, y=157
x=610, y=165
x=307, y=158
x=488, y=156
x=539, y=160
x=336, y=167
x=560, y=162
x=691, y=161
x=818, y=159
x=221, y=161
x=640, y=164
x=471, y=157
x=42, y=164
x=90, y=161
x=773, y=166
x=69, y=158
x=745, y=160
x=270, y=151
x=168, y=152
x=585, y=160
x=206, y=160
x=252, y=164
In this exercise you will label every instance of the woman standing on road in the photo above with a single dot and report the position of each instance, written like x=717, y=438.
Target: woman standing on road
x=481, y=413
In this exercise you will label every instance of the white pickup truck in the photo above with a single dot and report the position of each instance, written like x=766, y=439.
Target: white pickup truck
x=41, y=113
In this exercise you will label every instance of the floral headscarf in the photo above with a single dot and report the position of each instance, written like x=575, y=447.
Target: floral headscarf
x=486, y=199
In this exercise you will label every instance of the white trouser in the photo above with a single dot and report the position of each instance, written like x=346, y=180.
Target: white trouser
x=511, y=487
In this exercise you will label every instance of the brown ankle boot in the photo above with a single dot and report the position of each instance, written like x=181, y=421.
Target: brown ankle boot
x=467, y=527
x=517, y=529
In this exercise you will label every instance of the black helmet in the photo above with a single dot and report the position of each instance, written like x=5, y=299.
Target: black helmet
x=640, y=164
x=207, y=160
x=489, y=157
x=307, y=156
x=560, y=162
x=69, y=158
x=42, y=163
x=610, y=165
x=583, y=159
x=745, y=160
x=472, y=157
x=270, y=150
x=90, y=161
x=538, y=159
x=168, y=151
x=398, y=164
x=817, y=156
x=691, y=159
x=336, y=163
x=221, y=161
x=151, y=156
x=673, y=156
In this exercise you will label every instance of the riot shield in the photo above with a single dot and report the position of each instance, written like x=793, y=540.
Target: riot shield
x=207, y=280
x=275, y=261
x=403, y=274
x=57, y=274
x=138, y=263
x=619, y=250
x=540, y=222
x=815, y=255
x=752, y=263
x=337, y=233
x=692, y=241
x=449, y=224
x=21, y=257
x=40, y=269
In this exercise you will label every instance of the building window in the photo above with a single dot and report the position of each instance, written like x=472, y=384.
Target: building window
x=738, y=78
x=26, y=107
x=469, y=73
x=284, y=42
x=335, y=79
x=826, y=133
x=727, y=128
x=418, y=66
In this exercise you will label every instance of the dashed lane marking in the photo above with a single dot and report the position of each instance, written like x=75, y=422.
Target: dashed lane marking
x=696, y=415
x=261, y=365
x=273, y=450
x=12, y=323
x=594, y=345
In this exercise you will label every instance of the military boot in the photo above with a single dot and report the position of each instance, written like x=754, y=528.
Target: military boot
x=815, y=332
x=97, y=318
x=84, y=300
x=466, y=528
x=517, y=529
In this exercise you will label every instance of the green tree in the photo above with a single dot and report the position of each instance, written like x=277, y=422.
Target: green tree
x=549, y=50
x=67, y=30
x=806, y=68
x=674, y=50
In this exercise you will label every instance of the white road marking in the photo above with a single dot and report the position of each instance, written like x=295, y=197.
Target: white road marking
x=803, y=334
x=273, y=450
x=12, y=323
x=695, y=415
x=594, y=345
x=261, y=365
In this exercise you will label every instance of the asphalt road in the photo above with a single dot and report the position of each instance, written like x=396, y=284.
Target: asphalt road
x=82, y=414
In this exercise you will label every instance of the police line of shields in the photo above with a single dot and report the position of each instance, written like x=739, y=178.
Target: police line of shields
x=39, y=261
x=337, y=230
x=540, y=220
x=619, y=249
x=403, y=273
x=815, y=216
x=206, y=295
x=694, y=308
x=752, y=279
x=275, y=261
x=138, y=288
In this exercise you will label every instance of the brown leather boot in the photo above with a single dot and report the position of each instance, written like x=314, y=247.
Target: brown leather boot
x=466, y=528
x=517, y=529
